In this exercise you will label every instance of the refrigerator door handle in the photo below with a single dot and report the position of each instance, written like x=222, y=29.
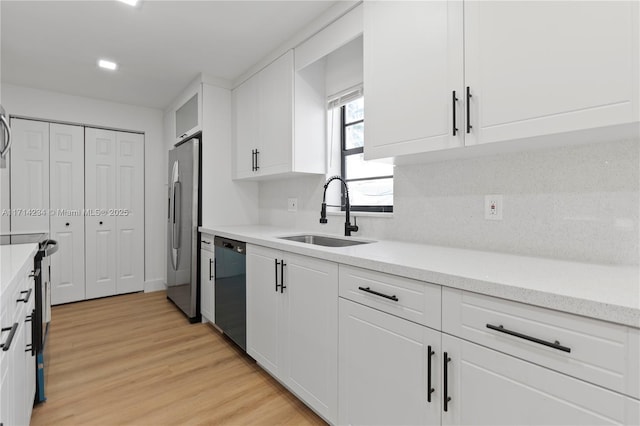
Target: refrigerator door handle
x=177, y=216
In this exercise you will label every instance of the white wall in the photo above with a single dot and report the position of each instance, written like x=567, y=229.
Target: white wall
x=47, y=105
x=576, y=203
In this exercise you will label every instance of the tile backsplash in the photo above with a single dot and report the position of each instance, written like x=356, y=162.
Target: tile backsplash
x=574, y=203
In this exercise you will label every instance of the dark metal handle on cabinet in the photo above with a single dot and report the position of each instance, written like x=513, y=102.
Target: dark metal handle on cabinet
x=29, y=348
x=206, y=242
x=282, y=286
x=67, y=224
x=386, y=296
x=429, y=388
x=276, y=273
x=28, y=318
x=445, y=384
x=454, y=99
x=102, y=222
x=554, y=345
x=210, y=267
x=253, y=160
x=257, y=166
x=469, y=96
x=7, y=344
x=27, y=297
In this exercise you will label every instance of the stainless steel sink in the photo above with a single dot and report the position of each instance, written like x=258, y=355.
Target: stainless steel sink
x=321, y=240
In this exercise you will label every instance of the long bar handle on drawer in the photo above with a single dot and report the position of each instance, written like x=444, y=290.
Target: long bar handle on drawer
x=7, y=344
x=429, y=388
x=386, y=296
x=554, y=345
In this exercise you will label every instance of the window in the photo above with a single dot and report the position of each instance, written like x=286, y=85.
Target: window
x=370, y=183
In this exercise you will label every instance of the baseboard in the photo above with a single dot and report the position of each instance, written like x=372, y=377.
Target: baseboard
x=154, y=285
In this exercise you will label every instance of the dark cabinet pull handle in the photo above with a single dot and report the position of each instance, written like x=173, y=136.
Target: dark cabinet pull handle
x=28, y=318
x=210, y=266
x=253, y=160
x=429, y=388
x=445, y=384
x=206, y=242
x=469, y=96
x=100, y=222
x=7, y=344
x=276, y=273
x=29, y=348
x=27, y=297
x=386, y=296
x=67, y=224
x=454, y=99
x=554, y=345
x=282, y=286
x=257, y=167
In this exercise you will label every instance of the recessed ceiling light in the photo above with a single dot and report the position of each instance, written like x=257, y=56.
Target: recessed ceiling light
x=130, y=2
x=103, y=63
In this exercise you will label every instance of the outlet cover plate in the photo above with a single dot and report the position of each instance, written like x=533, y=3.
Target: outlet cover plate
x=493, y=206
x=292, y=204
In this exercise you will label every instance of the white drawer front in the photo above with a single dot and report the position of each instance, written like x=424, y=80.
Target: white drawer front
x=206, y=242
x=595, y=351
x=414, y=300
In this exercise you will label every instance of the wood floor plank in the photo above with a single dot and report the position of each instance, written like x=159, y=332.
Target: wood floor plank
x=135, y=360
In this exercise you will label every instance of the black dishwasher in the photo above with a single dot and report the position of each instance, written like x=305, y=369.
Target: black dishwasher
x=231, y=289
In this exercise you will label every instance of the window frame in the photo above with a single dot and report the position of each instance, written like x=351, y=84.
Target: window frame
x=344, y=153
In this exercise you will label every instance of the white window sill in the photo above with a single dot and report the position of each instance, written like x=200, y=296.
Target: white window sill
x=361, y=214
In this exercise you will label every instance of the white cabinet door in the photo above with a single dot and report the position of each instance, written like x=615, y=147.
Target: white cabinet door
x=67, y=202
x=489, y=388
x=537, y=68
x=129, y=212
x=265, y=309
x=385, y=368
x=244, y=100
x=413, y=63
x=30, y=176
x=275, y=119
x=100, y=189
x=311, y=290
x=207, y=282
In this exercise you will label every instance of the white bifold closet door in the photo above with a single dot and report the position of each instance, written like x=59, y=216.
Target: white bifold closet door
x=114, y=197
x=29, y=176
x=66, y=190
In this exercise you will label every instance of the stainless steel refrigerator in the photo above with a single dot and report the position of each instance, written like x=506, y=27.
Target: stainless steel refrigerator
x=183, y=219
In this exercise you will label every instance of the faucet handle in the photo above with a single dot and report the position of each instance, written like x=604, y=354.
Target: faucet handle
x=323, y=213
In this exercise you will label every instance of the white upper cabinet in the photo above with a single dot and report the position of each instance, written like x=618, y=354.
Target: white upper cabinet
x=271, y=137
x=188, y=114
x=30, y=176
x=413, y=64
x=519, y=70
x=538, y=68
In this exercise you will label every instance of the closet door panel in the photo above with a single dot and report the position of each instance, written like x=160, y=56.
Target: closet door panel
x=129, y=212
x=100, y=226
x=66, y=145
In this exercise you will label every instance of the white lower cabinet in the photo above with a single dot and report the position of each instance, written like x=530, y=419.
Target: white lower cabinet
x=207, y=289
x=490, y=388
x=292, y=324
x=17, y=364
x=389, y=370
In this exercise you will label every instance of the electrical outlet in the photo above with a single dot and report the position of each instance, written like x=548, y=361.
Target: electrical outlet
x=493, y=206
x=292, y=204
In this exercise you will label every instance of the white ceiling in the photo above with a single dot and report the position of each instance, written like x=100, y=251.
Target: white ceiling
x=160, y=46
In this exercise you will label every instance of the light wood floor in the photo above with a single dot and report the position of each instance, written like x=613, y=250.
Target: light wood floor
x=135, y=360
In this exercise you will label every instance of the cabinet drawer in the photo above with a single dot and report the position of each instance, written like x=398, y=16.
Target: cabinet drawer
x=414, y=300
x=595, y=351
x=206, y=242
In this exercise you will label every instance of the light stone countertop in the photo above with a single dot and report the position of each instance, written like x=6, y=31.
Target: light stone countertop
x=12, y=260
x=606, y=292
